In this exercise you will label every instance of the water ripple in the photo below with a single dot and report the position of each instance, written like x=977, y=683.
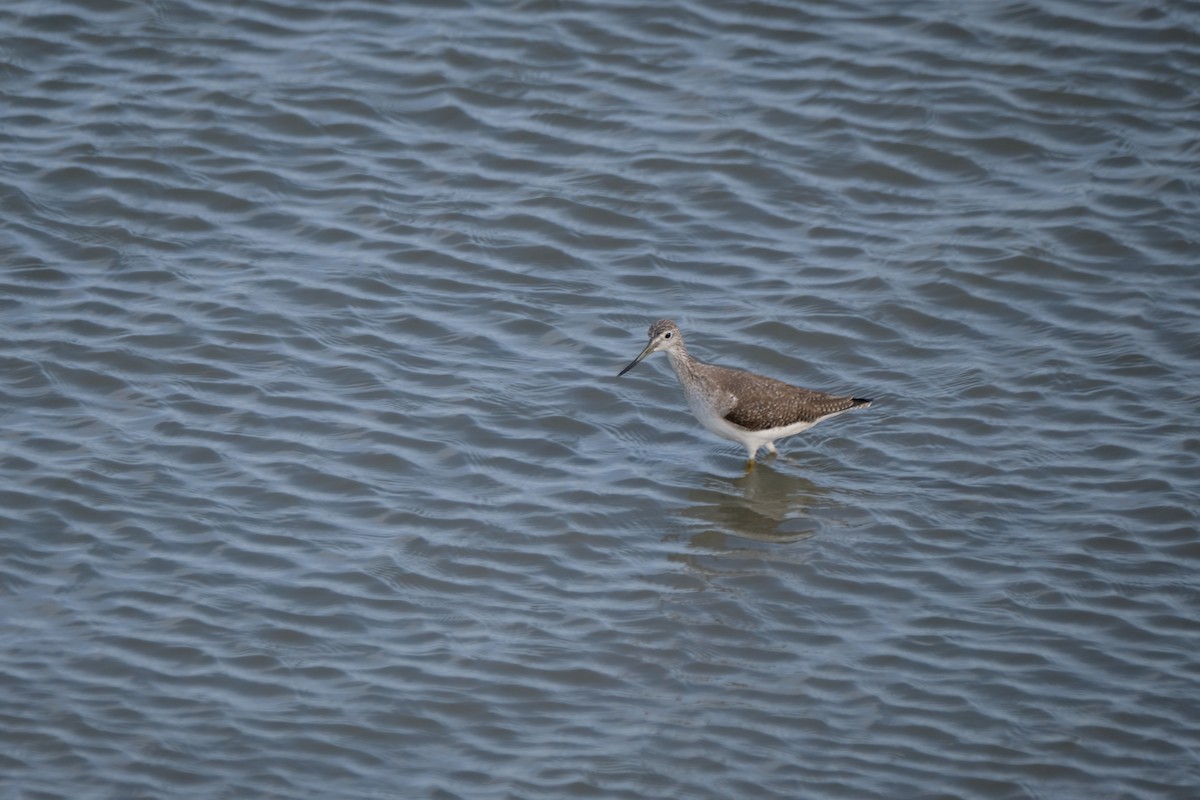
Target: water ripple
x=317, y=477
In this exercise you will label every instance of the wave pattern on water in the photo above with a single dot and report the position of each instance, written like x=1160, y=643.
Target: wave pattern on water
x=317, y=479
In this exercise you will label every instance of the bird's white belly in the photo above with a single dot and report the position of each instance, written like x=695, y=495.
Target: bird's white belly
x=751, y=440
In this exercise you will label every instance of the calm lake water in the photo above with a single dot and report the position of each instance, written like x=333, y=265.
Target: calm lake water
x=317, y=480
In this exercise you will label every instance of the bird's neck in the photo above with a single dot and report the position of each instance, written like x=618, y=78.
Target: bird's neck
x=682, y=362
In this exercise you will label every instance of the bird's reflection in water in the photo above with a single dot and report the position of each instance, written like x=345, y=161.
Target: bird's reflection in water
x=764, y=504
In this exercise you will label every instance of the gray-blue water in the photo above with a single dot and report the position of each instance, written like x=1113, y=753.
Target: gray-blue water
x=317, y=481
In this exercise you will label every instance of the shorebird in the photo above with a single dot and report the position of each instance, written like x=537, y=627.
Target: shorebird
x=752, y=410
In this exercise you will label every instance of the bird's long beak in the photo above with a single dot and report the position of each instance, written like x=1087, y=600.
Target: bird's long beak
x=649, y=349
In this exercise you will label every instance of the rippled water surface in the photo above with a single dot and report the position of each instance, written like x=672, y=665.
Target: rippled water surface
x=317, y=480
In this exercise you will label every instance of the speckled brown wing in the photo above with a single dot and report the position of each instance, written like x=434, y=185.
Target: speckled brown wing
x=765, y=403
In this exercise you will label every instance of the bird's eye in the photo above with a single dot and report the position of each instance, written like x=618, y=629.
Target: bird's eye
x=667, y=335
